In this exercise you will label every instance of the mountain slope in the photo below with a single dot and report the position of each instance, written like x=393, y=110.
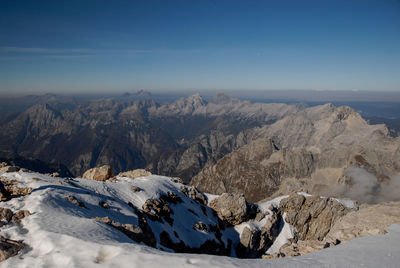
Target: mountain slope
x=306, y=147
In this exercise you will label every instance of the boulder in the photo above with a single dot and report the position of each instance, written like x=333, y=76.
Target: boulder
x=102, y=173
x=19, y=215
x=9, y=169
x=9, y=248
x=134, y=173
x=313, y=216
x=232, y=208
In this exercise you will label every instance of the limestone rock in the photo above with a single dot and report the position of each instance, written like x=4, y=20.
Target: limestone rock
x=9, y=248
x=75, y=201
x=9, y=169
x=313, y=216
x=232, y=208
x=368, y=220
x=134, y=173
x=19, y=215
x=102, y=173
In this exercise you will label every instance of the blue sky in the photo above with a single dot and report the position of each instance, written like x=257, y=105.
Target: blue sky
x=97, y=46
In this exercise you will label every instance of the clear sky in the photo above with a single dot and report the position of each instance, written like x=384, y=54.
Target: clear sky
x=65, y=46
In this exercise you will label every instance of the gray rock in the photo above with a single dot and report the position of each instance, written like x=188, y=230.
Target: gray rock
x=313, y=216
x=231, y=208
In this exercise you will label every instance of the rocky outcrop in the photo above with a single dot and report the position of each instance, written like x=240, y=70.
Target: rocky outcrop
x=254, y=242
x=233, y=208
x=245, y=170
x=102, y=173
x=313, y=216
x=134, y=173
x=305, y=148
x=9, y=189
x=140, y=234
x=368, y=220
x=9, y=248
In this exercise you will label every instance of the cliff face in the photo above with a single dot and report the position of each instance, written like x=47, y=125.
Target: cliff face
x=315, y=150
x=176, y=139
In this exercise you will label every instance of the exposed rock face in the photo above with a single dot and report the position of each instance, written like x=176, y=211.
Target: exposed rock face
x=368, y=220
x=9, y=248
x=134, y=173
x=305, y=148
x=233, y=208
x=243, y=171
x=140, y=234
x=9, y=169
x=254, y=242
x=9, y=189
x=102, y=173
x=175, y=139
x=312, y=216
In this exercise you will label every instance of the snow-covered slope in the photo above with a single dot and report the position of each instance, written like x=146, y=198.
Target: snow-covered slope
x=59, y=233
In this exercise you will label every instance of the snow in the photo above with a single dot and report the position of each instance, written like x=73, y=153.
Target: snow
x=287, y=232
x=59, y=234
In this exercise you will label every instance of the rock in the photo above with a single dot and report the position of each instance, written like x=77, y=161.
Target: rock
x=194, y=194
x=198, y=196
x=140, y=234
x=368, y=220
x=19, y=215
x=249, y=243
x=134, y=173
x=135, y=189
x=9, y=169
x=102, y=173
x=104, y=205
x=6, y=214
x=232, y=208
x=4, y=194
x=200, y=226
x=171, y=197
x=75, y=201
x=156, y=209
x=301, y=247
x=313, y=216
x=177, y=180
x=9, y=248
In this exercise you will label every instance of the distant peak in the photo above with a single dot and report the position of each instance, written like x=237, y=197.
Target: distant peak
x=222, y=98
x=143, y=93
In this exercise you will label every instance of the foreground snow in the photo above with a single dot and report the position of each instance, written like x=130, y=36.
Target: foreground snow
x=59, y=235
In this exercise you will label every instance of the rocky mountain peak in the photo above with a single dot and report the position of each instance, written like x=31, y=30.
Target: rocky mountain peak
x=222, y=98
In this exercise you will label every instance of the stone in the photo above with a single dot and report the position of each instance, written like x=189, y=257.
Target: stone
x=313, y=216
x=200, y=226
x=368, y=220
x=9, y=248
x=19, y=215
x=9, y=169
x=177, y=180
x=75, y=201
x=134, y=173
x=231, y=208
x=6, y=214
x=135, y=189
x=102, y=173
x=103, y=204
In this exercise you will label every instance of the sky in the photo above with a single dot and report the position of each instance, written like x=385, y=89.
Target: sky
x=106, y=46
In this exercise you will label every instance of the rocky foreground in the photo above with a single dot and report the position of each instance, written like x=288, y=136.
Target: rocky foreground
x=40, y=211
